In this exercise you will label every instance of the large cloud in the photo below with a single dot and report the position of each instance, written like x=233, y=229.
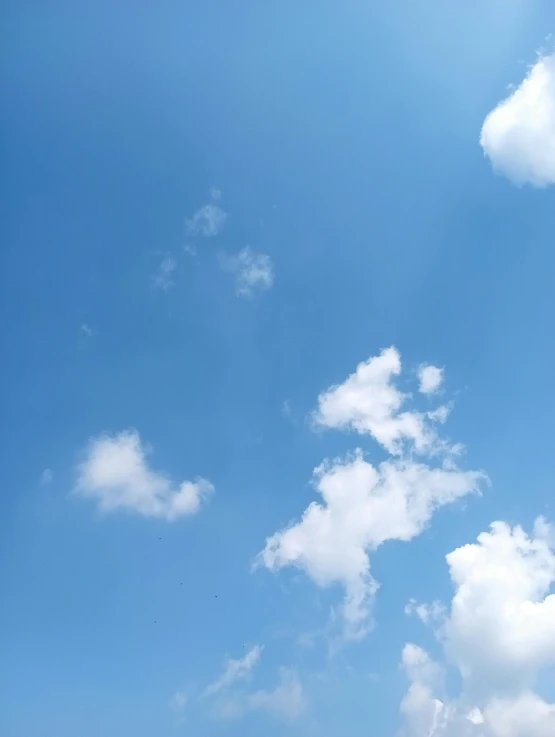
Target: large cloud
x=115, y=473
x=500, y=633
x=364, y=505
x=518, y=136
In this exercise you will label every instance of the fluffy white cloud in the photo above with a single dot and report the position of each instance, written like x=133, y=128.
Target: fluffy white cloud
x=362, y=507
x=370, y=403
x=500, y=633
x=430, y=378
x=235, y=670
x=254, y=272
x=502, y=620
x=115, y=473
x=162, y=278
x=209, y=220
x=519, y=135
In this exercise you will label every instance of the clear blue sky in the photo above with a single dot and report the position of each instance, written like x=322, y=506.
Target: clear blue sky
x=344, y=141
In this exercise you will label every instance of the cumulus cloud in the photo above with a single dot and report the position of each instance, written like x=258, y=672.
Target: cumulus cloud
x=254, y=272
x=162, y=277
x=430, y=378
x=502, y=620
x=235, y=670
x=518, y=136
x=364, y=505
x=115, y=473
x=499, y=633
x=369, y=403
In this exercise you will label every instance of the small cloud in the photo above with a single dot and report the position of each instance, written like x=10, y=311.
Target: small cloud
x=235, y=670
x=430, y=378
x=162, y=278
x=116, y=474
x=254, y=272
x=286, y=409
x=87, y=330
x=425, y=612
x=191, y=250
x=46, y=477
x=518, y=136
x=210, y=219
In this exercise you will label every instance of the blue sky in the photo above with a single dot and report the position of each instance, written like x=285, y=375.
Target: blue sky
x=212, y=214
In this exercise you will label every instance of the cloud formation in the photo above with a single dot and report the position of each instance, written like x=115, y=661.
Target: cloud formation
x=254, y=272
x=364, y=505
x=499, y=632
x=115, y=473
x=369, y=403
x=518, y=136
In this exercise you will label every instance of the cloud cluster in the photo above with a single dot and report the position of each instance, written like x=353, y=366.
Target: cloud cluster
x=115, y=473
x=364, y=505
x=499, y=632
x=518, y=136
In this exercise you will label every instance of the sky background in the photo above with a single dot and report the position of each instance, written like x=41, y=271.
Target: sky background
x=343, y=139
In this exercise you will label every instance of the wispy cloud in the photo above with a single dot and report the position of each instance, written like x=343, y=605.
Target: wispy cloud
x=115, y=473
x=235, y=670
x=162, y=277
x=210, y=219
x=254, y=272
x=46, y=477
x=87, y=330
x=286, y=700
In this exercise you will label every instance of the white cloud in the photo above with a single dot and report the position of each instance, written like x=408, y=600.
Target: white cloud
x=209, y=220
x=425, y=612
x=254, y=272
x=430, y=377
x=370, y=403
x=162, y=278
x=362, y=507
x=46, y=477
x=499, y=633
x=115, y=473
x=518, y=136
x=235, y=670
x=502, y=621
